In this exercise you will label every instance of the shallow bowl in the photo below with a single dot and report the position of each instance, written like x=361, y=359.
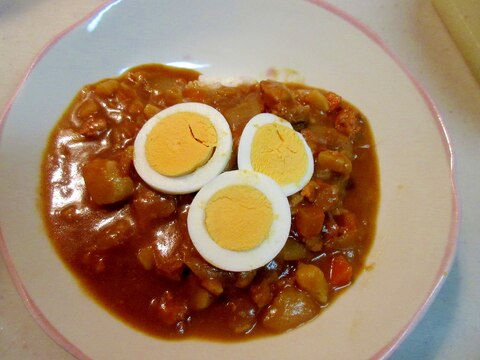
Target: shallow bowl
x=301, y=40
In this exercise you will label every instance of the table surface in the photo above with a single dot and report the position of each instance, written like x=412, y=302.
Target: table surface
x=411, y=29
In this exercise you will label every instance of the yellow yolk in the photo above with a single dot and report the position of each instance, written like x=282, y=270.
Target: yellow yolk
x=180, y=144
x=278, y=152
x=238, y=217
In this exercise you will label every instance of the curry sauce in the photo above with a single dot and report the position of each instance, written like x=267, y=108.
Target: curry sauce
x=132, y=251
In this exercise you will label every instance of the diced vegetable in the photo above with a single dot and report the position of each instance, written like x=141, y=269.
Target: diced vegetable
x=334, y=161
x=341, y=271
x=145, y=257
x=213, y=285
x=293, y=250
x=107, y=87
x=314, y=243
x=104, y=182
x=309, y=220
x=88, y=107
x=245, y=278
x=150, y=110
x=330, y=138
x=317, y=100
x=311, y=278
x=200, y=299
x=294, y=200
x=290, y=308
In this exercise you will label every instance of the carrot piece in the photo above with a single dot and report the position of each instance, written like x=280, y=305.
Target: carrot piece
x=340, y=271
x=309, y=220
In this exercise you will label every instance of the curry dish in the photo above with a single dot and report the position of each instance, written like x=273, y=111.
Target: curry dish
x=129, y=245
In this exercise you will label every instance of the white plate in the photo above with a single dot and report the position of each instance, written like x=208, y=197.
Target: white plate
x=417, y=223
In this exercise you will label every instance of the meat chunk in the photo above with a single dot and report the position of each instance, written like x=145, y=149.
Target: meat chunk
x=93, y=127
x=168, y=251
x=211, y=278
x=323, y=195
x=169, y=308
x=151, y=207
x=280, y=101
x=348, y=122
x=239, y=114
x=242, y=315
x=114, y=234
x=334, y=101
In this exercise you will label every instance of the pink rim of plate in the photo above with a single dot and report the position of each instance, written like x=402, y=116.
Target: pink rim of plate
x=448, y=257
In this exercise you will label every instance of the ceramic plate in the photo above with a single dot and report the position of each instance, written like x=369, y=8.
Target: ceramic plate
x=417, y=220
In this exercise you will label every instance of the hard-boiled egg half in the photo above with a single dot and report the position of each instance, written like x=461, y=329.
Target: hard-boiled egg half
x=182, y=148
x=271, y=146
x=240, y=220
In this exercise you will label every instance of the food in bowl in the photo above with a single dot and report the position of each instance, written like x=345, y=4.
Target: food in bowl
x=295, y=161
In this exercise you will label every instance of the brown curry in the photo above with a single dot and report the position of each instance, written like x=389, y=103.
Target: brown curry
x=129, y=245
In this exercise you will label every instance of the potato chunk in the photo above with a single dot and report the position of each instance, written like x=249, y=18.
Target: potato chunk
x=335, y=161
x=290, y=308
x=293, y=250
x=311, y=278
x=104, y=182
x=107, y=87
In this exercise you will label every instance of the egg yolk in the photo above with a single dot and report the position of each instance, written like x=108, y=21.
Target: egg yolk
x=180, y=143
x=238, y=217
x=278, y=152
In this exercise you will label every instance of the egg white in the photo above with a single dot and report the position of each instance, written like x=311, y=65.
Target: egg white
x=245, y=145
x=190, y=182
x=240, y=260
